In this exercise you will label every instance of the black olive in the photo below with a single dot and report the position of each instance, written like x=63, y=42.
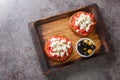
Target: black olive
x=79, y=47
x=81, y=51
x=89, y=47
x=93, y=47
x=79, y=44
x=85, y=53
x=84, y=45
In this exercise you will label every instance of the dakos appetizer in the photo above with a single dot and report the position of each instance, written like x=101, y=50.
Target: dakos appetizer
x=82, y=23
x=58, y=48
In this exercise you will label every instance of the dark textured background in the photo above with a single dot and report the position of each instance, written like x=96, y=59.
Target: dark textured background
x=18, y=59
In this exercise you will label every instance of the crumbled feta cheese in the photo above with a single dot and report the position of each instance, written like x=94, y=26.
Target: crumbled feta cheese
x=58, y=38
x=53, y=39
x=62, y=54
x=53, y=44
x=59, y=47
x=84, y=22
x=64, y=48
x=69, y=42
x=54, y=49
x=52, y=54
x=67, y=54
x=68, y=46
x=87, y=28
x=63, y=41
x=77, y=30
x=55, y=53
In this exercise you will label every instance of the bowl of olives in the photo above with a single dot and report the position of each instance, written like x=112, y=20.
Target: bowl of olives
x=85, y=47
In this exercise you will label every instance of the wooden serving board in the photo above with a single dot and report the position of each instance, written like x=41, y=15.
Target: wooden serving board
x=43, y=29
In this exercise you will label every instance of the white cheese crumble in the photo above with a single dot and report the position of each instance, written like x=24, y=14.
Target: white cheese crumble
x=59, y=47
x=53, y=39
x=69, y=42
x=84, y=22
x=77, y=30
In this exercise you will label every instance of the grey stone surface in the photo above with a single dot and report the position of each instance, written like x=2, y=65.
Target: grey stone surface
x=18, y=59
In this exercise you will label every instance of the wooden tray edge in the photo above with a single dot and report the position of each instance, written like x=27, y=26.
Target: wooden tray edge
x=107, y=42
x=38, y=48
x=50, y=18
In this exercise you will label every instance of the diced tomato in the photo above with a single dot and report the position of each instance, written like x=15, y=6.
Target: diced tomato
x=72, y=23
x=77, y=27
x=77, y=15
